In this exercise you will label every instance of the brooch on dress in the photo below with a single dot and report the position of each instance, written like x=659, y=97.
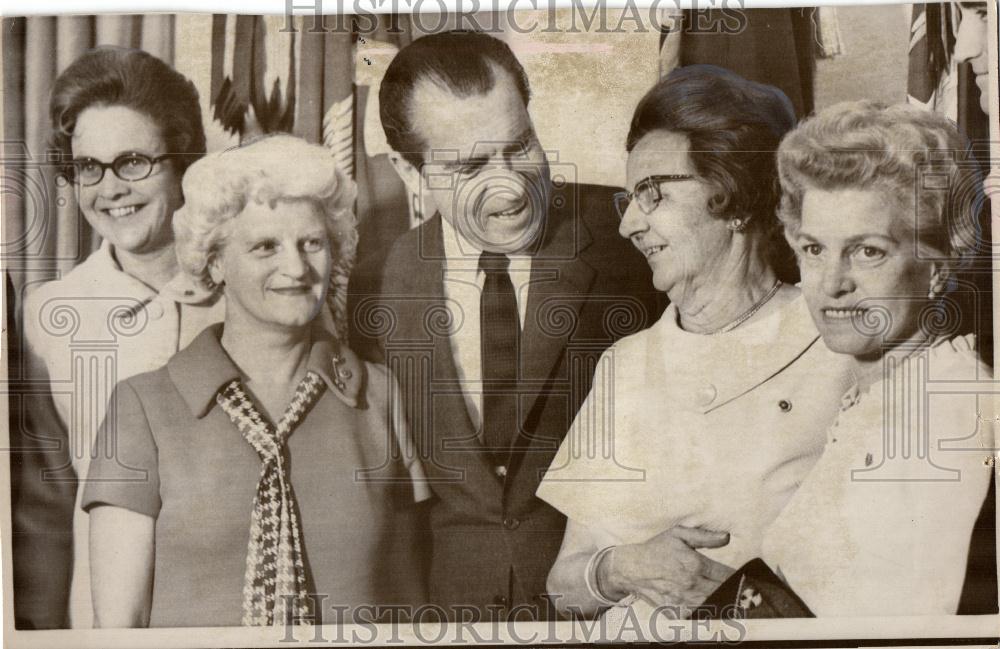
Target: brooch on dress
x=340, y=374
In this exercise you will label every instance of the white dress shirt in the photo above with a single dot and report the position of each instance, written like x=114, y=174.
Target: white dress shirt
x=463, y=287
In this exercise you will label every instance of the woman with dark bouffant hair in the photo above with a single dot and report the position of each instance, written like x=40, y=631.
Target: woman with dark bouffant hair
x=127, y=126
x=698, y=429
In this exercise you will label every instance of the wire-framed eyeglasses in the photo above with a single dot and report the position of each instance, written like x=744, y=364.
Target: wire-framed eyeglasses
x=647, y=193
x=129, y=167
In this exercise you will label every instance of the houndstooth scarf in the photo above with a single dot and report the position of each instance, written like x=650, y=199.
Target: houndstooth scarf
x=274, y=585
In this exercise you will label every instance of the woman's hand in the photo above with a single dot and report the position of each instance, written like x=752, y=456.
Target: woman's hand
x=667, y=569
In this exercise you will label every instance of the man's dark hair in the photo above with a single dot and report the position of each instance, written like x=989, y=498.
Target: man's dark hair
x=118, y=76
x=464, y=62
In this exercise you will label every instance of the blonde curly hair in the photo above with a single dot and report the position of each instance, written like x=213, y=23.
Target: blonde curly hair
x=899, y=149
x=267, y=170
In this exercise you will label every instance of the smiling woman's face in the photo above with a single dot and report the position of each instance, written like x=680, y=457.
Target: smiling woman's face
x=681, y=240
x=859, y=270
x=134, y=217
x=275, y=264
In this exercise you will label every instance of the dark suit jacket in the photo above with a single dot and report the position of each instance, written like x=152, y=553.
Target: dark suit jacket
x=43, y=493
x=493, y=542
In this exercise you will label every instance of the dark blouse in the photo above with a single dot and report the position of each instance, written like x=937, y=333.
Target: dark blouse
x=176, y=456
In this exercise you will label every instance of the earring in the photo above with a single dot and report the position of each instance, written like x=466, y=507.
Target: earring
x=737, y=225
x=417, y=209
x=938, y=286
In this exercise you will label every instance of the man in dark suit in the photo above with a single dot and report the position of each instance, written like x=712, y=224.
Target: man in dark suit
x=492, y=314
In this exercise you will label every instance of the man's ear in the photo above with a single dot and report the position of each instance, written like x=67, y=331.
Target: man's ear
x=409, y=174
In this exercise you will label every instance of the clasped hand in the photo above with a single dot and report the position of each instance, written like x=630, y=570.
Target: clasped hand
x=667, y=569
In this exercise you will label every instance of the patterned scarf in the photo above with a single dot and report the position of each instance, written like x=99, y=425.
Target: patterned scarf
x=274, y=585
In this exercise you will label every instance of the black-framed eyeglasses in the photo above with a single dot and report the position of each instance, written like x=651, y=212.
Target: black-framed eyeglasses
x=647, y=193
x=128, y=166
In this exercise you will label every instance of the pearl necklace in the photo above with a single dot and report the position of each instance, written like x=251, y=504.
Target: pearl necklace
x=746, y=315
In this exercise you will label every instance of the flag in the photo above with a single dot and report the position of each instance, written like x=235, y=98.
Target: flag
x=253, y=76
x=932, y=40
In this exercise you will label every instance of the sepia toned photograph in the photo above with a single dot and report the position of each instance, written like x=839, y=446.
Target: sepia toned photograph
x=499, y=323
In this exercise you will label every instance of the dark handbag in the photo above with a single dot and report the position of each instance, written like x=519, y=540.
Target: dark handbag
x=753, y=591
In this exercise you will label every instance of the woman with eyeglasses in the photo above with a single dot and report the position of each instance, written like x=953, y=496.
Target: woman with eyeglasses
x=129, y=125
x=699, y=429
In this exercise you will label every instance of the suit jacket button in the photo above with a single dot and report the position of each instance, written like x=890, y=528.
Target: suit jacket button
x=511, y=523
x=785, y=405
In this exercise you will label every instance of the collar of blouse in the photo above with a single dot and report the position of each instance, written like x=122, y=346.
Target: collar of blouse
x=203, y=367
x=728, y=366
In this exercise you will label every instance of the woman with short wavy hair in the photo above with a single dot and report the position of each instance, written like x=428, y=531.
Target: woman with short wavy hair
x=278, y=473
x=916, y=158
x=272, y=169
x=881, y=212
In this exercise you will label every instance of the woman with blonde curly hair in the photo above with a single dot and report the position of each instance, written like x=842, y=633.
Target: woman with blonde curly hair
x=252, y=478
x=881, y=211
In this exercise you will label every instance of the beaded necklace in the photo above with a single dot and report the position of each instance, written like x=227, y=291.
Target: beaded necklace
x=746, y=315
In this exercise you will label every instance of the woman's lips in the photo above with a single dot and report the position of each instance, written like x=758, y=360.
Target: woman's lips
x=122, y=211
x=292, y=290
x=842, y=313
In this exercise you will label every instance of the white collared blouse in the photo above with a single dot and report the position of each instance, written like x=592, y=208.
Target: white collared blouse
x=711, y=431
x=882, y=524
x=96, y=326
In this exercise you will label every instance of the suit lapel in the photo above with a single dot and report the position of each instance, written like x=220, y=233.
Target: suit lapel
x=560, y=283
x=445, y=430
x=426, y=323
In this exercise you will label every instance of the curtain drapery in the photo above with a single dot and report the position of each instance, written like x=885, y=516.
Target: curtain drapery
x=773, y=46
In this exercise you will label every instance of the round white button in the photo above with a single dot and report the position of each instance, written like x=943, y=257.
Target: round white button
x=706, y=395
